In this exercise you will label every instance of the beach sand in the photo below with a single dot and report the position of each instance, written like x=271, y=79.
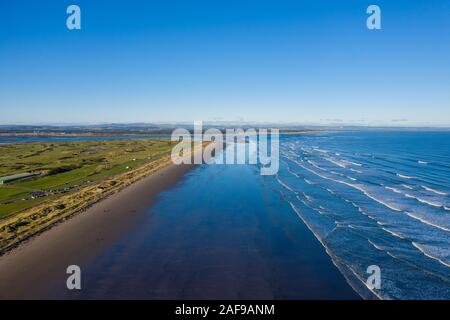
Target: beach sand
x=28, y=272
x=142, y=244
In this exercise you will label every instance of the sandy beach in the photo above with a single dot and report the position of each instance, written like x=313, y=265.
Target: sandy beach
x=157, y=241
x=27, y=272
x=222, y=234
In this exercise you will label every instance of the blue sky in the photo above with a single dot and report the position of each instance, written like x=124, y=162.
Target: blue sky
x=288, y=61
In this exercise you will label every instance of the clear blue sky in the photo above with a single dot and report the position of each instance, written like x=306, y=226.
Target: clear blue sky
x=304, y=61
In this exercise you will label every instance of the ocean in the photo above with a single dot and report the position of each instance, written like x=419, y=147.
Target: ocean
x=376, y=198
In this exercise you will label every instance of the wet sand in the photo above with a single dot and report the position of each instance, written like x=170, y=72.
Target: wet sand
x=220, y=233
x=31, y=270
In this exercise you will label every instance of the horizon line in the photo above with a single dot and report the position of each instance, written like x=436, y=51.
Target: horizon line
x=229, y=122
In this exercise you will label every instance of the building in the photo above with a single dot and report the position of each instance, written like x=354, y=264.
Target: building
x=15, y=177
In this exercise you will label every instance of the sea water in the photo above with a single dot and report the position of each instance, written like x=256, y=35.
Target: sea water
x=376, y=198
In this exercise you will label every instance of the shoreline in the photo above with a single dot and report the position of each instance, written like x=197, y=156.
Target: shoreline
x=51, y=215
x=37, y=268
x=78, y=239
x=224, y=233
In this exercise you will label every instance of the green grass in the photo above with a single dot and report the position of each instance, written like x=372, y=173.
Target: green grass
x=12, y=207
x=65, y=164
x=10, y=193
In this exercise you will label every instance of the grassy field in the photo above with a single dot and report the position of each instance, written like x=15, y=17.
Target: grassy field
x=70, y=175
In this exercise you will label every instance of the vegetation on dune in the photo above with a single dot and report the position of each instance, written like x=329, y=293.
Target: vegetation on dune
x=70, y=177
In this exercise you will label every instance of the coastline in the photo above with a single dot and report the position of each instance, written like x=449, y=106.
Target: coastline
x=78, y=239
x=221, y=234
x=44, y=216
x=37, y=268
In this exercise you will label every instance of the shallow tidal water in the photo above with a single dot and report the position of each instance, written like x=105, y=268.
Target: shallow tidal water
x=224, y=232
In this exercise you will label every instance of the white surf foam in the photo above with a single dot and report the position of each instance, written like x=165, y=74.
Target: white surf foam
x=308, y=197
x=442, y=193
x=284, y=185
x=320, y=150
x=315, y=165
x=433, y=204
x=424, y=221
x=394, y=190
x=352, y=163
x=421, y=249
x=393, y=233
x=375, y=246
x=367, y=194
x=336, y=162
x=404, y=176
